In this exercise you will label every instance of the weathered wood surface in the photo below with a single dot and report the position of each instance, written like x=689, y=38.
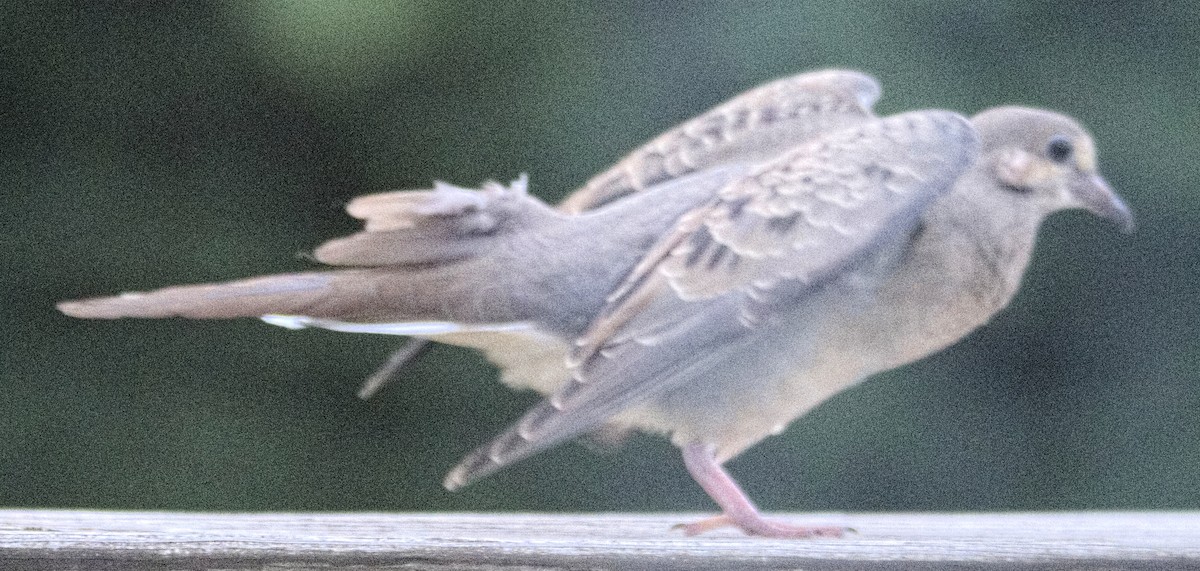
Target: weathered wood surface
x=45, y=539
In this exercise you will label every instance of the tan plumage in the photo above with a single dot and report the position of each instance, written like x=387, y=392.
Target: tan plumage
x=715, y=284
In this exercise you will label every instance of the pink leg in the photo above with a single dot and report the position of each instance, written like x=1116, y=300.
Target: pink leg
x=738, y=510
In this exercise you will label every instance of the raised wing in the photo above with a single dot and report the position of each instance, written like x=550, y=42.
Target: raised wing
x=759, y=247
x=756, y=126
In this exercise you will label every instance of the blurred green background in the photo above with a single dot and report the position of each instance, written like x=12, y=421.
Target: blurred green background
x=147, y=144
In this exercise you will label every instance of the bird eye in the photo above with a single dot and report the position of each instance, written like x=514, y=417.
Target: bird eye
x=1059, y=149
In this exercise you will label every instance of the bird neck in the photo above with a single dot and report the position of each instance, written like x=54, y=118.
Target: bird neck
x=993, y=237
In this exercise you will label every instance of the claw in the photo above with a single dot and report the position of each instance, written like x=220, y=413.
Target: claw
x=761, y=527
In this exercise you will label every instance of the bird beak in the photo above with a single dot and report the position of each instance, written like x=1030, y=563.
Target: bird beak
x=1095, y=195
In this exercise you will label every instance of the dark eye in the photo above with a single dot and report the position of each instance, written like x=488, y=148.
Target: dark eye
x=1059, y=149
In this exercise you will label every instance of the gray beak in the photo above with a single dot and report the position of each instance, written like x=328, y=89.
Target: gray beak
x=1095, y=195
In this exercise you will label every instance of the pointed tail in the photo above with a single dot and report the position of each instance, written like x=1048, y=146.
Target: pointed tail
x=313, y=293
x=424, y=255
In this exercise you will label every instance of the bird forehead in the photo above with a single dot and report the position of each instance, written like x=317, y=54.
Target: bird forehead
x=1028, y=128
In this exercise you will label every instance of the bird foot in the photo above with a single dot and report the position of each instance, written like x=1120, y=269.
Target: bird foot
x=739, y=511
x=761, y=527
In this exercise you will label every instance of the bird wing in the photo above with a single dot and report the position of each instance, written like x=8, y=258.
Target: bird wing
x=753, y=127
x=761, y=244
x=449, y=223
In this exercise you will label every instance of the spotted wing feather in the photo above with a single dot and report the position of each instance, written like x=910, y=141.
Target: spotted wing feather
x=751, y=128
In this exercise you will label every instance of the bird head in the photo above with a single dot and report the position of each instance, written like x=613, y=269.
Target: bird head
x=1049, y=160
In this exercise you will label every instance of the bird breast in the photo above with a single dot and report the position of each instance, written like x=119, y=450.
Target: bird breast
x=924, y=295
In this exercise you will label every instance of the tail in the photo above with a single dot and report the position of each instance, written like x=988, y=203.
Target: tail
x=333, y=294
x=424, y=255
x=244, y=298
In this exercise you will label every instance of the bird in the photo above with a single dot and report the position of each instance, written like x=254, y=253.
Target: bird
x=712, y=286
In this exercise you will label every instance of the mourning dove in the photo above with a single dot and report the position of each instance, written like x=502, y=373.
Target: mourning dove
x=713, y=286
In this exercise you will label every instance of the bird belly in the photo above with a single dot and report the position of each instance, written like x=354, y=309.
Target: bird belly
x=778, y=375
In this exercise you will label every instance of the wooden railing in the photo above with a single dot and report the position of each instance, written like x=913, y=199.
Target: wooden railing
x=85, y=540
